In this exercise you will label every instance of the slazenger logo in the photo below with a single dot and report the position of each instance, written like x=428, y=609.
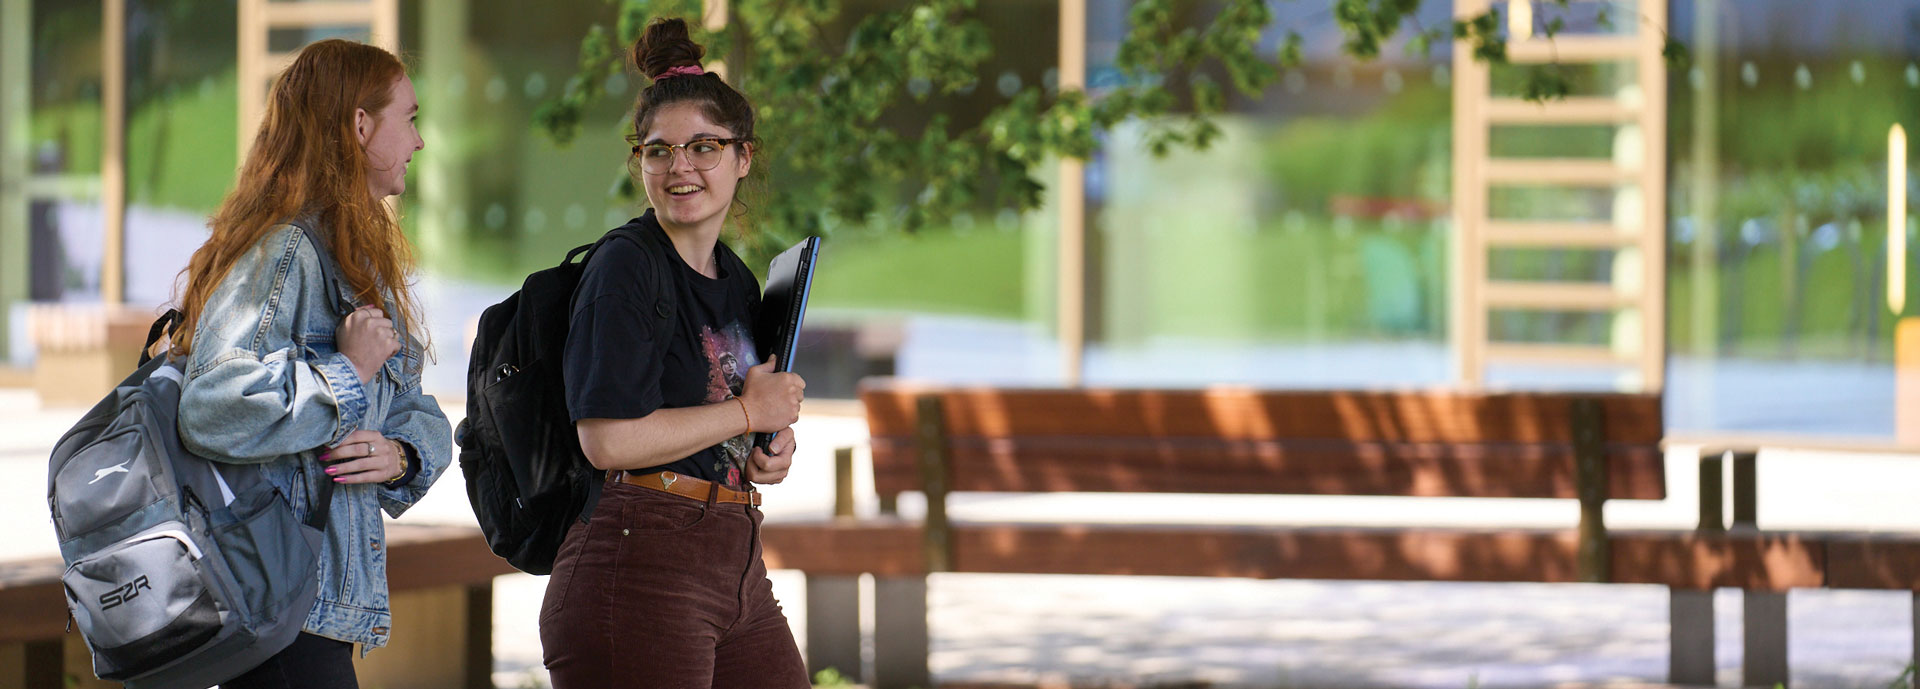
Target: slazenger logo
x=127, y=591
x=117, y=468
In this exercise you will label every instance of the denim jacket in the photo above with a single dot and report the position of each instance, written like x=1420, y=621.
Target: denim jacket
x=265, y=384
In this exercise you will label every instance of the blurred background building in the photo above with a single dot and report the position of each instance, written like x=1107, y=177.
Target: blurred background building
x=1312, y=247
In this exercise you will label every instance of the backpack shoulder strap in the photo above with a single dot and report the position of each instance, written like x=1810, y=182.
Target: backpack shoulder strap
x=329, y=270
x=329, y=276
x=166, y=323
x=664, y=308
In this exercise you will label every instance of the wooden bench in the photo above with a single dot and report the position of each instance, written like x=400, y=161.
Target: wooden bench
x=442, y=584
x=1586, y=447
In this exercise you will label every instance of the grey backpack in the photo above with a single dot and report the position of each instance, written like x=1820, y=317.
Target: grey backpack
x=182, y=572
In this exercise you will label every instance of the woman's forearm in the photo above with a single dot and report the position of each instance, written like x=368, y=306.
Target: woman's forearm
x=659, y=438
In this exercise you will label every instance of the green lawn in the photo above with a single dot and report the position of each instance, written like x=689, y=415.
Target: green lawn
x=978, y=273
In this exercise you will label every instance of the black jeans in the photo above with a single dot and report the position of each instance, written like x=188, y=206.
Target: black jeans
x=311, y=662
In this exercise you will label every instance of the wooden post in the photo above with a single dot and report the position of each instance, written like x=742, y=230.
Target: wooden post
x=713, y=17
x=1072, y=195
x=78, y=671
x=30, y=664
x=833, y=600
x=16, y=39
x=1469, y=322
x=1712, y=491
x=113, y=152
x=833, y=624
x=1764, y=663
x=1906, y=371
x=900, y=638
x=1765, y=612
x=384, y=29
x=1690, y=657
x=1746, y=484
x=931, y=443
x=1590, y=473
x=443, y=637
x=251, y=80
x=479, y=646
x=843, y=483
x=1653, y=196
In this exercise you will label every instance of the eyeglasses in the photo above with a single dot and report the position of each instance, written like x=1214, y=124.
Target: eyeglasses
x=702, y=154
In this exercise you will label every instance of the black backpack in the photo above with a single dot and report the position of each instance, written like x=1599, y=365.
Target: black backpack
x=526, y=476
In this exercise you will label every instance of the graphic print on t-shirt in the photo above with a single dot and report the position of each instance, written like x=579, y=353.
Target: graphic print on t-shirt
x=729, y=353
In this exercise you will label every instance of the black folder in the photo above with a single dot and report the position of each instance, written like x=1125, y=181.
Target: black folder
x=783, y=307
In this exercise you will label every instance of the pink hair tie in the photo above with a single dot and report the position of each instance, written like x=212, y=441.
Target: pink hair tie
x=683, y=71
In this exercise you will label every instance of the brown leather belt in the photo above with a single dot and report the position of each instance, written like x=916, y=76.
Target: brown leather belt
x=686, y=487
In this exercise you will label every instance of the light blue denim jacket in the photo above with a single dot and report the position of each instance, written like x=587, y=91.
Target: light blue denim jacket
x=265, y=384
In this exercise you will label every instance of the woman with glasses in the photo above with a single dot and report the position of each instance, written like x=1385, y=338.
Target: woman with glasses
x=663, y=585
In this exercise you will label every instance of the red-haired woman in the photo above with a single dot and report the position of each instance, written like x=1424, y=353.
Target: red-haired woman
x=315, y=378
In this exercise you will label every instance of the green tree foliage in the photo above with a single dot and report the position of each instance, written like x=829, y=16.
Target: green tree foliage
x=829, y=110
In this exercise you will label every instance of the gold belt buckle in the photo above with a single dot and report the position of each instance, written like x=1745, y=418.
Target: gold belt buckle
x=666, y=479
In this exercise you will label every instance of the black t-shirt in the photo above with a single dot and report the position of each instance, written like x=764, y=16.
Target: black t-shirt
x=611, y=366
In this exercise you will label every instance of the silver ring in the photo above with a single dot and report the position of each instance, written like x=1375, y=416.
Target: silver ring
x=369, y=447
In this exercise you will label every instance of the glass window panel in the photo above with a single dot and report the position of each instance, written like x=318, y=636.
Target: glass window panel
x=1550, y=265
x=1778, y=266
x=291, y=40
x=1612, y=17
x=1307, y=248
x=1551, y=327
x=1551, y=203
x=1556, y=141
x=65, y=140
x=1583, y=79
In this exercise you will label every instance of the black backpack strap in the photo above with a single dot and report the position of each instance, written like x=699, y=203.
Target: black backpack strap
x=330, y=277
x=166, y=323
x=322, y=506
x=663, y=291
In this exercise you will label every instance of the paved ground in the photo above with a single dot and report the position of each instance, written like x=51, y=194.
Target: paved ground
x=1145, y=631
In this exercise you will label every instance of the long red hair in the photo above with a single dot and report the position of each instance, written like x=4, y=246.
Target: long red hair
x=307, y=158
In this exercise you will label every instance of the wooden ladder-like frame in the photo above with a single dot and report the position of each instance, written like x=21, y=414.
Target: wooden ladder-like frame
x=259, y=64
x=1636, y=293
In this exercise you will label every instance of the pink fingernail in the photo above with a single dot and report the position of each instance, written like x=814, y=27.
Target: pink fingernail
x=325, y=456
x=331, y=471
x=340, y=480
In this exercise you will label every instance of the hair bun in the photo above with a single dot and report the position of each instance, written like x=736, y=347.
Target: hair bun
x=665, y=45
